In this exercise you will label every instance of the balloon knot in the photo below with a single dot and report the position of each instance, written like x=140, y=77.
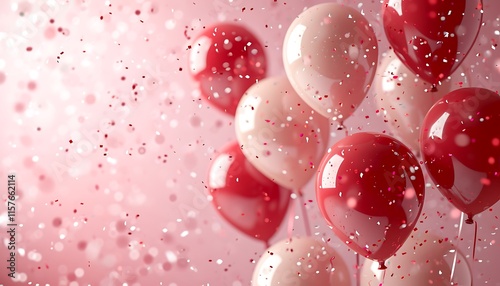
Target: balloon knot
x=341, y=126
x=469, y=220
x=434, y=88
x=381, y=265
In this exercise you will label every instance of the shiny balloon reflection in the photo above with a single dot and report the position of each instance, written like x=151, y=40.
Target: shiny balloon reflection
x=460, y=146
x=370, y=190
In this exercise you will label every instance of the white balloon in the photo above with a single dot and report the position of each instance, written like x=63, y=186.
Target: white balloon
x=330, y=56
x=301, y=262
x=404, y=99
x=279, y=133
x=424, y=259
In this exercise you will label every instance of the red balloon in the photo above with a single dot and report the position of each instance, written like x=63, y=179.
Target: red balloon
x=226, y=59
x=370, y=190
x=244, y=197
x=460, y=143
x=432, y=37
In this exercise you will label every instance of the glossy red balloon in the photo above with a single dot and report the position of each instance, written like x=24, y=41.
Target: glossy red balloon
x=370, y=190
x=432, y=37
x=460, y=143
x=244, y=197
x=226, y=59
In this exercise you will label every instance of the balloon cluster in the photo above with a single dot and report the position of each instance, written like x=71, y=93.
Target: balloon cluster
x=370, y=187
x=226, y=60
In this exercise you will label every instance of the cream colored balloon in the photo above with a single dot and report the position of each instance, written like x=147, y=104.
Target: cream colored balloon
x=330, y=56
x=404, y=99
x=423, y=260
x=279, y=133
x=301, y=262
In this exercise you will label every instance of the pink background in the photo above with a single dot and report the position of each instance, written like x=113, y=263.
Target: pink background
x=126, y=200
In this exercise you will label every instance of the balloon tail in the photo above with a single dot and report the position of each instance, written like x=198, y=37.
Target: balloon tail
x=358, y=278
x=469, y=219
x=341, y=126
x=434, y=88
x=381, y=265
x=454, y=264
x=291, y=216
x=474, y=243
x=304, y=214
x=266, y=243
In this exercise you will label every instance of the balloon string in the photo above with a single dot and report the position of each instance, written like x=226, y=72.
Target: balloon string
x=456, y=246
x=358, y=278
x=383, y=278
x=474, y=244
x=434, y=88
x=304, y=214
x=291, y=215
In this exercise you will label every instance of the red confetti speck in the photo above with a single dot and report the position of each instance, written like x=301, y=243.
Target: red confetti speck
x=495, y=142
x=148, y=259
x=57, y=222
x=485, y=181
x=82, y=245
x=19, y=107
x=186, y=35
x=31, y=85
x=167, y=266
